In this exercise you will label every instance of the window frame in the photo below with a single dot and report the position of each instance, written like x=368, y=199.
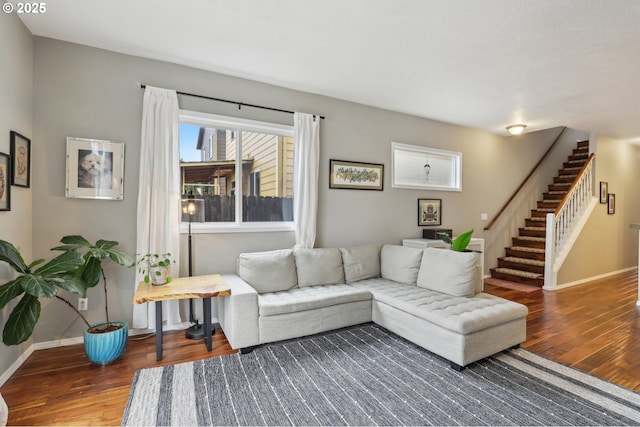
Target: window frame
x=237, y=125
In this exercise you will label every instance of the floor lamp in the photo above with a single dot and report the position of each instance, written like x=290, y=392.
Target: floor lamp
x=192, y=207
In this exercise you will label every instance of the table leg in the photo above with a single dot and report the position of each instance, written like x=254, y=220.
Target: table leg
x=158, y=330
x=206, y=311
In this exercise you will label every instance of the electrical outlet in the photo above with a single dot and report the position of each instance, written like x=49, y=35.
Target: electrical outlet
x=483, y=217
x=83, y=304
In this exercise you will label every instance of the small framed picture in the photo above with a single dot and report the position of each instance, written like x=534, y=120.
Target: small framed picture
x=429, y=212
x=95, y=169
x=5, y=183
x=611, y=204
x=20, y=160
x=604, y=190
x=355, y=175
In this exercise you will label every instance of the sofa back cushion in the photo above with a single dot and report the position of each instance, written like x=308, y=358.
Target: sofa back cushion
x=450, y=272
x=319, y=266
x=270, y=271
x=361, y=262
x=400, y=263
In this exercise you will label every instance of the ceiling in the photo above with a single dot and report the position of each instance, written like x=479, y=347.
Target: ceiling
x=483, y=64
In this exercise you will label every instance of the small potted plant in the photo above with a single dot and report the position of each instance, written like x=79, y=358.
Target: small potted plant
x=460, y=243
x=156, y=268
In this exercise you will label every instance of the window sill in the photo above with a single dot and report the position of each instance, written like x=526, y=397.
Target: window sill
x=252, y=227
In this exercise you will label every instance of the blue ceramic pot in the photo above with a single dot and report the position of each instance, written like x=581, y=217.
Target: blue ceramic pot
x=104, y=348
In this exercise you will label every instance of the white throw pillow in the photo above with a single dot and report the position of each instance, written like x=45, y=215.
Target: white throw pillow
x=319, y=266
x=361, y=262
x=270, y=271
x=400, y=263
x=449, y=272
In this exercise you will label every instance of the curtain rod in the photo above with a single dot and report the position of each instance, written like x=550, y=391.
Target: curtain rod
x=239, y=104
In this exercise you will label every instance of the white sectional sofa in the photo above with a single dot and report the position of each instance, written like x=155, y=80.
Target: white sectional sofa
x=431, y=297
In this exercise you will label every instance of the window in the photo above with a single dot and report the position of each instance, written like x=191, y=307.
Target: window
x=243, y=170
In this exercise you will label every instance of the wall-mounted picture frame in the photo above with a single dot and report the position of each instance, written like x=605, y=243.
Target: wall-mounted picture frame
x=95, y=169
x=611, y=204
x=5, y=182
x=20, y=160
x=423, y=168
x=604, y=191
x=429, y=212
x=345, y=174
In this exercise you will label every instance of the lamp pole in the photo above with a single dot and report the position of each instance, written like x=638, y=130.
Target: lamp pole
x=195, y=331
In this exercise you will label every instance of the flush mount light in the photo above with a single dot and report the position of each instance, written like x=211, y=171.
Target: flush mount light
x=516, y=129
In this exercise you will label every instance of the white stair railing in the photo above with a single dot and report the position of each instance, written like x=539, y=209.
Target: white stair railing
x=565, y=224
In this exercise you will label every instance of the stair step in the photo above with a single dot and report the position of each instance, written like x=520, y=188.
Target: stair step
x=548, y=204
x=536, y=222
x=583, y=144
x=532, y=231
x=573, y=170
x=579, y=157
x=529, y=242
x=564, y=178
x=523, y=264
x=519, y=276
x=562, y=186
x=525, y=252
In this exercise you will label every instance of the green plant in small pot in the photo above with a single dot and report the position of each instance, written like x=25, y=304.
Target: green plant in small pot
x=460, y=243
x=156, y=268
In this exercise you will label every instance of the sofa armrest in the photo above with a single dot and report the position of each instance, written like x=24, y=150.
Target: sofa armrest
x=238, y=313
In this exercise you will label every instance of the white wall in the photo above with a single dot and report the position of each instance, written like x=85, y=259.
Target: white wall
x=16, y=113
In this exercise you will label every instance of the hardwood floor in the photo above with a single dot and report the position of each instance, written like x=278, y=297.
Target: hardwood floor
x=593, y=327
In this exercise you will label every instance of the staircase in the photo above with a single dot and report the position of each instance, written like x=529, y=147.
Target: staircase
x=525, y=260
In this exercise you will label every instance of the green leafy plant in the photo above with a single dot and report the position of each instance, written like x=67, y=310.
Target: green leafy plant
x=92, y=269
x=460, y=243
x=78, y=268
x=39, y=279
x=149, y=262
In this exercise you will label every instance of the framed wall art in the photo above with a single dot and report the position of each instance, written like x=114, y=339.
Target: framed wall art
x=604, y=190
x=355, y=175
x=429, y=212
x=5, y=182
x=20, y=160
x=422, y=168
x=95, y=169
x=611, y=204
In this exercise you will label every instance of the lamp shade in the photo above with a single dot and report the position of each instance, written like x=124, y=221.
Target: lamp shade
x=192, y=210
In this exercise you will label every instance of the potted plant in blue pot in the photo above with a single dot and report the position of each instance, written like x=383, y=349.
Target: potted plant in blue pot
x=78, y=268
x=104, y=342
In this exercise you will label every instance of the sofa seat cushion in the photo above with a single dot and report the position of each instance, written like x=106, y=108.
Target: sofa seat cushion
x=463, y=315
x=309, y=298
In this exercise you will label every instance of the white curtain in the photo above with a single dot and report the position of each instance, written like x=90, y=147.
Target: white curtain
x=159, y=194
x=306, y=166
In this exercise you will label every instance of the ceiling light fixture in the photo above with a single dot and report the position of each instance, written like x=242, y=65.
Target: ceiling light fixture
x=516, y=129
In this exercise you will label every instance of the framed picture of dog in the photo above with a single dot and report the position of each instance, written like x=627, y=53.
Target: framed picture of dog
x=95, y=169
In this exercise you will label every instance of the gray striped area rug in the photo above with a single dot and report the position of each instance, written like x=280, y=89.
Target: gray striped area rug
x=367, y=375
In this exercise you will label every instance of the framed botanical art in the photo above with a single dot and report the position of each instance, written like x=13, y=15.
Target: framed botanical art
x=611, y=204
x=5, y=182
x=604, y=190
x=20, y=160
x=95, y=169
x=429, y=212
x=423, y=168
x=355, y=175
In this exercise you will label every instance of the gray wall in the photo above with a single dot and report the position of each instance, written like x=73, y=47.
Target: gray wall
x=16, y=113
x=86, y=92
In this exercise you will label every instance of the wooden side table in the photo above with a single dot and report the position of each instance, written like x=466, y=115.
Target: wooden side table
x=204, y=287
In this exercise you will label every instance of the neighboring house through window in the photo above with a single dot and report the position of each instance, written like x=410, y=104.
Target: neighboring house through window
x=243, y=170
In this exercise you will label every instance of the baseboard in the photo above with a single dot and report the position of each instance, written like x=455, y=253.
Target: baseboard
x=14, y=367
x=590, y=279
